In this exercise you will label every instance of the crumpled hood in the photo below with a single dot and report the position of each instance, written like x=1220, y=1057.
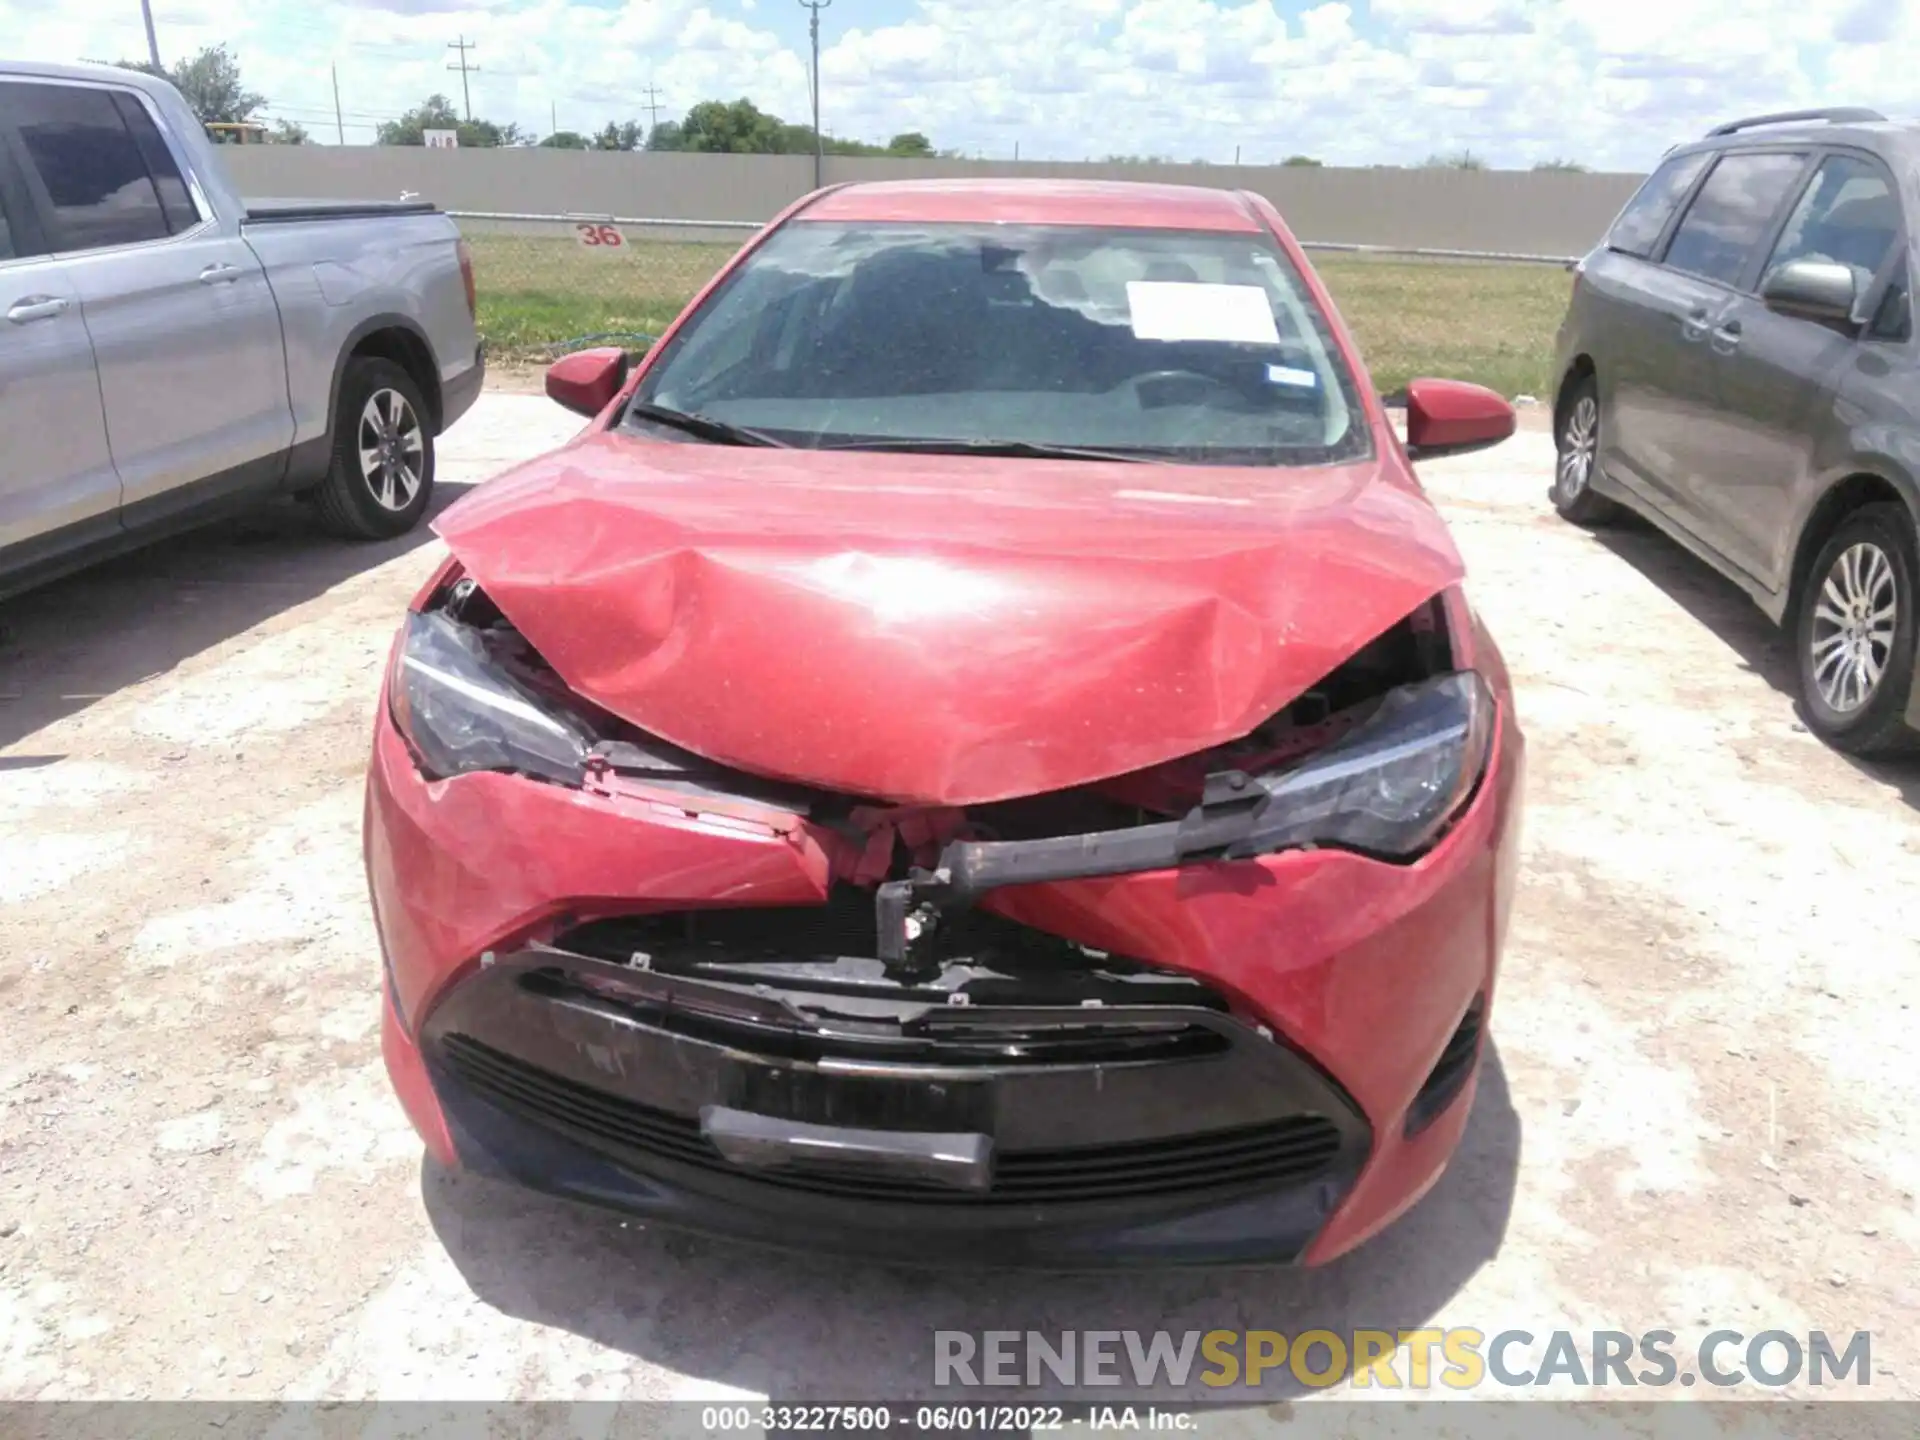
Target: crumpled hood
x=942, y=630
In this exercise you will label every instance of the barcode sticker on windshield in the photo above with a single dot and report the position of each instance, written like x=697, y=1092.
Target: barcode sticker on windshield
x=1293, y=376
x=1183, y=310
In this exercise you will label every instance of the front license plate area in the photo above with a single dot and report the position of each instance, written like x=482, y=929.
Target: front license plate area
x=865, y=1102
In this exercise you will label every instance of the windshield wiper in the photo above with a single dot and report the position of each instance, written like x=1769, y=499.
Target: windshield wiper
x=722, y=432
x=1018, y=449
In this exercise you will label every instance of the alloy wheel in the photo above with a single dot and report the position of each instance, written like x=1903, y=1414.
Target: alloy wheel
x=392, y=449
x=1854, y=620
x=1578, y=441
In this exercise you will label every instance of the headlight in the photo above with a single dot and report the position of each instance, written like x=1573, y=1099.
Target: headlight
x=462, y=712
x=1388, y=786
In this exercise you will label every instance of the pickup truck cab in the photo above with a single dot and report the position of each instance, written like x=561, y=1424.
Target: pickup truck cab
x=169, y=352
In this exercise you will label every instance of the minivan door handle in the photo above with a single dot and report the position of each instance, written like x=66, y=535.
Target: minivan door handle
x=220, y=273
x=1726, y=337
x=1694, y=326
x=37, y=307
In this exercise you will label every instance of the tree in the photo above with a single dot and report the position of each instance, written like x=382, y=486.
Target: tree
x=1301, y=162
x=911, y=144
x=621, y=135
x=1461, y=160
x=666, y=136
x=290, y=132
x=437, y=113
x=565, y=140
x=210, y=83
x=739, y=127
x=1570, y=167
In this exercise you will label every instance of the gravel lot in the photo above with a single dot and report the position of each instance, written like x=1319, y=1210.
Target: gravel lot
x=1701, y=1111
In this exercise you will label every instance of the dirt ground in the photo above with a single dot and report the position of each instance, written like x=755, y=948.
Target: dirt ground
x=1700, y=1111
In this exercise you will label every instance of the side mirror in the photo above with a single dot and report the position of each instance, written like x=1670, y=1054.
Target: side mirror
x=1451, y=417
x=587, y=380
x=1818, y=290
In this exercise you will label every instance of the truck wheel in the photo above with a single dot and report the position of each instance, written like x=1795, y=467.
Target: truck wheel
x=381, y=479
x=1854, y=636
x=1576, y=439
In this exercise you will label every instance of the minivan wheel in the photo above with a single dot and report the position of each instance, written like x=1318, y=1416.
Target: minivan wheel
x=1577, y=443
x=1854, y=637
x=380, y=481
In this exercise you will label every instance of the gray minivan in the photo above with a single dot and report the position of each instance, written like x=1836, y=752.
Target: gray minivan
x=1738, y=365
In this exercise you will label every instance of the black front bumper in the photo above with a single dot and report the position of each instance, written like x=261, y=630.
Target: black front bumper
x=1148, y=1134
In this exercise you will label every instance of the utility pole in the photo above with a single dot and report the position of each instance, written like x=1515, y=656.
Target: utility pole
x=813, y=31
x=339, y=127
x=652, y=107
x=463, y=45
x=153, y=45
x=553, y=118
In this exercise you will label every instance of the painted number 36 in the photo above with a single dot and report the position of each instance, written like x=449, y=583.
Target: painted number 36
x=598, y=236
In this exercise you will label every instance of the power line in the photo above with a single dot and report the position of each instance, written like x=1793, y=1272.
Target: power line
x=463, y=45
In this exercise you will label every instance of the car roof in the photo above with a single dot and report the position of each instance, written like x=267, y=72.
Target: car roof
x=111, y=74
x=1883, y=136
x=1040, y=202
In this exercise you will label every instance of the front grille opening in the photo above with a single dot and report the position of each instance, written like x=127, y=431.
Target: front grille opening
x=805, y=982
x=1286, y=1151
x=983, y=959
x=1450, y=1073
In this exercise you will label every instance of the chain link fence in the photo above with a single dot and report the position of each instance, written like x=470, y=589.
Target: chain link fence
x=552, y=283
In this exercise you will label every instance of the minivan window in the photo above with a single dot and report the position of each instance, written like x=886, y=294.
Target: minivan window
x=1894, y=319
x=1644, y=220
x=91, y=167
x=1730, y=215
x=1848, y=216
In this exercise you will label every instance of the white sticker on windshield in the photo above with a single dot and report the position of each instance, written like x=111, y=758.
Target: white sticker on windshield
x=1182, y=310
x=1289, y=375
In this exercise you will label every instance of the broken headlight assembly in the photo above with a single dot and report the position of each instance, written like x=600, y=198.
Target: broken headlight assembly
x=461, y=710
x=1390, y=785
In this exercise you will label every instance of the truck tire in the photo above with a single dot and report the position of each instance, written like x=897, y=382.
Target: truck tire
x=380, y=478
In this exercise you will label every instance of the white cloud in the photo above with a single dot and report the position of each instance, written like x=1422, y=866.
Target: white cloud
x=1611, y=83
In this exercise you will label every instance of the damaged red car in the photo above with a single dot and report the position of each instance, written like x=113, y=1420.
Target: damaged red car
x=978, y=752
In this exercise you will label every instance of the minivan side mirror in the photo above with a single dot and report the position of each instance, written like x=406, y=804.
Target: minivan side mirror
x=1451, y=417
x=587, y=380
x=1818, y=290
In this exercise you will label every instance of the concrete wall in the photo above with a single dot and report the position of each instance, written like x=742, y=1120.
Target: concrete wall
x=1514, y=211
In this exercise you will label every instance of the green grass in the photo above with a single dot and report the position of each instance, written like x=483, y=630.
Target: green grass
x=1489, y=323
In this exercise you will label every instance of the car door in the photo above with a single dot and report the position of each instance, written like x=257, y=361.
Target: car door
x=185, y=331
x=57, y=481
x=1777, y=373
x=1715, y=251
x=1649, y=385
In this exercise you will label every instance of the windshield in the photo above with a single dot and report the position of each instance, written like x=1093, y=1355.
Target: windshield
x=1146, y=343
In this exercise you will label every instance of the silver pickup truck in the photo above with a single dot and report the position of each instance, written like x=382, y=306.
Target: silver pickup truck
x=169, y=351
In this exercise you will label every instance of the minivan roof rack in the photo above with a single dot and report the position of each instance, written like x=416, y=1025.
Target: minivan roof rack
x=1834, y=115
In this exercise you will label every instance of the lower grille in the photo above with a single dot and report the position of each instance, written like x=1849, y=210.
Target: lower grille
x=1281, y=1152
x=1450, y=1072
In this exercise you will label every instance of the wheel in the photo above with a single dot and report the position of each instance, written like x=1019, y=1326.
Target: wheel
x=380, y=481
x=1577, y=441
x=1854, y=636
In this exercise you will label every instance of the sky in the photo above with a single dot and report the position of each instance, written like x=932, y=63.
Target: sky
x=1607, y=83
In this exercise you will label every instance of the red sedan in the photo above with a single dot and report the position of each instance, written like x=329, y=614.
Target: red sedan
x=977, y=752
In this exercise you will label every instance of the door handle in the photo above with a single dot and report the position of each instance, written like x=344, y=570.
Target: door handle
x=1726, y=337
x=37, y=307
x=1694, y=325
x=220, y=274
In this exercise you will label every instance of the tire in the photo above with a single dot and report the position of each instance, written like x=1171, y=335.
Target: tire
x=1576, y=445
x=1856, y=662
x=377, y=498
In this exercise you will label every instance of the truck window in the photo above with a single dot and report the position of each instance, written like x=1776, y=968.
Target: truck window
x=1641, y=224
x=92, y=169
x=175, y=199
x=1731, y=214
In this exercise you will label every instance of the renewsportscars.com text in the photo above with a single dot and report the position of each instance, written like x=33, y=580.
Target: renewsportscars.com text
x=1456, y=1359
